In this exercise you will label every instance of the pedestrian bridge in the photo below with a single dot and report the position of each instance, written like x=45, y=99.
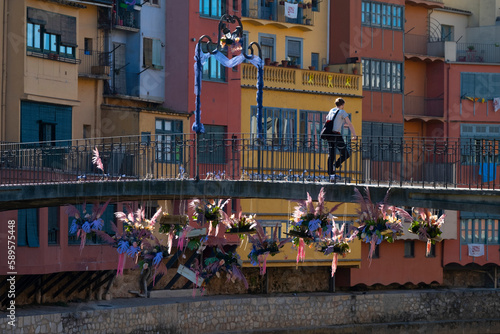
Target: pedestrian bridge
x=433, y=173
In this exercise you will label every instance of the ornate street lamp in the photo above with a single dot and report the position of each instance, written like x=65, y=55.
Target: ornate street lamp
x=232, y=40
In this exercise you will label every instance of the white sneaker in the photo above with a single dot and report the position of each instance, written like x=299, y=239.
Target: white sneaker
x=334, y=178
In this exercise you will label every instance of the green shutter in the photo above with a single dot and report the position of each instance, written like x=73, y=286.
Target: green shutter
x=21, y=228
x=32, y=227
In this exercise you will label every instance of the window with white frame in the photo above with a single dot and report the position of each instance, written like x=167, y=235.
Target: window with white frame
x=382, y=75
x=380, y=14
x=151, y=52
x=169, y=140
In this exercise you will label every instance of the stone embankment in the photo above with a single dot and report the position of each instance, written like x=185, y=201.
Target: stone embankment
x=477, y=310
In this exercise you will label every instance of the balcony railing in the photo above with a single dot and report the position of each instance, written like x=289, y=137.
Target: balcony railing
x=422, y=106
x=478, y=53
x=302, y=80
x=94, y=63
x=126, y=17
x=274, y=10
x=393, y=161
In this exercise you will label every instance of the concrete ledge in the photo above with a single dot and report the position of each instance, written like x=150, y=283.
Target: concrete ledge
x=181, y=293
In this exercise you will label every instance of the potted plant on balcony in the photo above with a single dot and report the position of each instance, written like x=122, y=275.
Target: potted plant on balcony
x=471, y=53
x=341, y=70
x=354, y=69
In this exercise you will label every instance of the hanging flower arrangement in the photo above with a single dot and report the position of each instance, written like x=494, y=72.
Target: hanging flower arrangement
x=208, y=211
x=172, y=226
x=338, y=244
x=427, y=226
x=377, y=221
x=86, y=222
x=240, y=225
x=214, y=266
x=310, y=223
x=263, y=246
x=137, y=239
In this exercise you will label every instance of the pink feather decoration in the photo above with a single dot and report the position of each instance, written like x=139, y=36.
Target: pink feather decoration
x=96, y=160
x=121, y=263
x=334, y=263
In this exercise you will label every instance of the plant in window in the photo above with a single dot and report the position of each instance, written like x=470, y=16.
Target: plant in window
x=427, y=226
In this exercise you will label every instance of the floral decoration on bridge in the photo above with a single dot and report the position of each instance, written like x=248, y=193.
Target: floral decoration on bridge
x=86, y=222
x=427, y=226
x=137, y=240
x=310, y=223
x=263, y=246
x=241, y=224
x=378, y=221
x=338, y=244
x=219, y=262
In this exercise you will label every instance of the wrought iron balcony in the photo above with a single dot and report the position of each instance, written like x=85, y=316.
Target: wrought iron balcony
x=94, y=64
x=299, y=80
x=274, y=10
x=126, y=17
x=422, y=106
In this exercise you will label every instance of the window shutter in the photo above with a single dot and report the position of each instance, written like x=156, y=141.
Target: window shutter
x=68, y=31
x=147, y=52
x=267, y=41
x=32, y=227
x=21, y=228
x=294, y=48
x=467, y=84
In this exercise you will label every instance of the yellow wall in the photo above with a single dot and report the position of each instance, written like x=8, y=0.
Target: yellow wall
x=45, y=80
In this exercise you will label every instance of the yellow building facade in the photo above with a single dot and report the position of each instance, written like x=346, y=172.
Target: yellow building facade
x=296, y=99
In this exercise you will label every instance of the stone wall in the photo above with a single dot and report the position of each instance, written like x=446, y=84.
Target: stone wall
x=454, y=308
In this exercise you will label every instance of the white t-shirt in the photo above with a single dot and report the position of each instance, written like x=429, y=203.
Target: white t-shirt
x=339, y=120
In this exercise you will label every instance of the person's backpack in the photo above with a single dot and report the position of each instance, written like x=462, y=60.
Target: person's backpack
x=327, y=130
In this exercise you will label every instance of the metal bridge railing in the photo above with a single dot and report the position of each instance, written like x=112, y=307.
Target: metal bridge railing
x=451, y=163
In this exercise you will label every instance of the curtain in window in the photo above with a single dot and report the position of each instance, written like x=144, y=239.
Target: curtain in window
x=156, y=52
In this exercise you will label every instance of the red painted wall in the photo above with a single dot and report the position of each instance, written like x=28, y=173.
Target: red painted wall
x=393, y=267
x=55, y=258
x=462, y=110
x=220, y=101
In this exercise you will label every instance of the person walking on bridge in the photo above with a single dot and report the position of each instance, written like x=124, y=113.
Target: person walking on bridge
x=338, y=118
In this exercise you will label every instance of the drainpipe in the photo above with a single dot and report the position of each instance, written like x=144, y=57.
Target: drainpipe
x=447, y=120
x=3, y=110
x=328, y=35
